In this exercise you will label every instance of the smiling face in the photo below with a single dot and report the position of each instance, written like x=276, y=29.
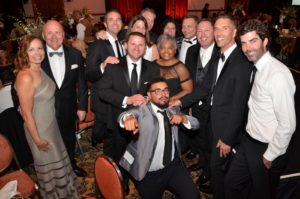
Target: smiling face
x=205, y=34
x=159, y=94
x=253, y=47
x=170, y=29
x=136, y=47
x=167, y=50
x=113, y=23
x=53, y=34
x=224, y=31
x=139, y=26
x=150, y=18
x=35, y=52
x=189, y=27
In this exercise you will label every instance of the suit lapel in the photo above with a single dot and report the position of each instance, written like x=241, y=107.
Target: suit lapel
x=47, y=68
x=143, y=74
x=232, y=54
x=110, y=48
x=123, y=64
x=67, y=64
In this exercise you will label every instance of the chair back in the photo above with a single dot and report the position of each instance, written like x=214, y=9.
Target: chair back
x=6, y=153
x=90, y=116
x=109, y=178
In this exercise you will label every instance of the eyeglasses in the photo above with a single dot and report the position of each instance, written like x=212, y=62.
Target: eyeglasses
x=160, y=92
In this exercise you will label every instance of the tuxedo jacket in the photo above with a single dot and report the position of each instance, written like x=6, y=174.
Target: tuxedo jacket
x=115, y=85
x=230, y=96
x=139, y=153
x=192, y=61
x=72, y=90
x=97, y=52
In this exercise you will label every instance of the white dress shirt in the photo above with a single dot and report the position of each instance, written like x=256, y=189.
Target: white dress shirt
x=57, y=65
x=205, y=54
x=130, y=68
x=112, y=41
x=157, y=161
x=271, y=117
x=184, y=47
x=222, y=63
x=5, y=98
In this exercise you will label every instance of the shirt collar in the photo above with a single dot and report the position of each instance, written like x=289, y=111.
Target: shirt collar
x=49, y=49
x=209, y=48
x=156, y=108
x=193, y=39
x=111, y=39
x=262, y=61
x=229, y=51
x=129, y=61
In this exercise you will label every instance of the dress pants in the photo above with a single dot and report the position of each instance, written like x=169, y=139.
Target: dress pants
x=217, y=172
x=248, y=177
x=174, y=177
x=99, y=128
x=201, y=141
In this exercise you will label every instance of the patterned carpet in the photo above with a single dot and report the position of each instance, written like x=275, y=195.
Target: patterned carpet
x=86, y=160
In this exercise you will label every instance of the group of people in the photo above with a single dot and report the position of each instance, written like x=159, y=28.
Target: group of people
x=241, y=97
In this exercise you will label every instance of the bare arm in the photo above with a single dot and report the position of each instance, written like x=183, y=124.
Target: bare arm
x=25, y=89
x=186, y=82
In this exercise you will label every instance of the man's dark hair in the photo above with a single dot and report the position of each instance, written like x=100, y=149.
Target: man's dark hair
x=135, y=34
x=155, y=80
x=196, y=19
x=254, y=25
x=227, y=16
x=110, y=11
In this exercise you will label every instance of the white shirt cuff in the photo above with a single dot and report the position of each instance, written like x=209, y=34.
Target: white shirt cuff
x=124, y=104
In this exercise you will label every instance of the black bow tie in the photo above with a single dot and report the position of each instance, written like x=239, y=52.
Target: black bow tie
x=56, y=53
x=188, y=41
x=222, y=57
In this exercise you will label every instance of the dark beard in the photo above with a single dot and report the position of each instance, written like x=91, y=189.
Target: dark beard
x=161, y=106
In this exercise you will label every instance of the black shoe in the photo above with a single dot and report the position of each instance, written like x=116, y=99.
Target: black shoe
x=195, y=167
x=80, y=172
x=191, y=155
x=202, y=180
x=205, y=189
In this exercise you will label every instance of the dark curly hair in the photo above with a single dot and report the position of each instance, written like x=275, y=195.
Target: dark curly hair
x=254, y=25
x=22, y=60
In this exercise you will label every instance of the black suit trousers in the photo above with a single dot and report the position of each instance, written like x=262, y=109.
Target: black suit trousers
x=174, y=177
x=248, y=177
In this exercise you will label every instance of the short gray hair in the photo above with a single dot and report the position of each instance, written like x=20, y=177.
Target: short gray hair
x=162, y=38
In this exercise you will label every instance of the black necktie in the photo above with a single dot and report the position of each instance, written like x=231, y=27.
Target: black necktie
x=222, y=57
x=254, y=69
x=56, y=53
x=118, y=48
x=168, y=139
x=134, y=80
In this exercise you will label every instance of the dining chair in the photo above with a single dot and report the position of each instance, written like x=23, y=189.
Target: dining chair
x=109, y=178
x=83, y=126
x=26, y=186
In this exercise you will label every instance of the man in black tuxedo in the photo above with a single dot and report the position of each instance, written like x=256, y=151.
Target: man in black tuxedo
x=64, y=65
x=226, y=85
x=99, y=54
x=124, y=85
x=199, y=59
